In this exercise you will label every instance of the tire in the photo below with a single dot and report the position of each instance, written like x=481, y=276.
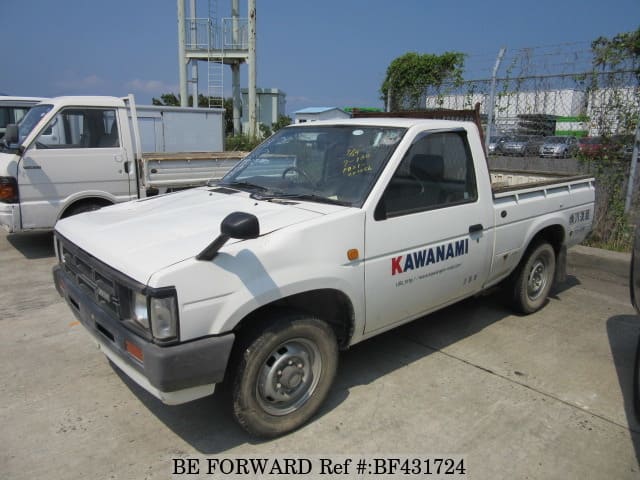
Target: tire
x=283, y=374
x=534, y=278
x=82, y=208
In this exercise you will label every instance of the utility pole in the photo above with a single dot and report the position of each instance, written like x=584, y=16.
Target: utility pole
x=632, y=170
x=194, y=62
x=492, y=100
x=235, y=69
x=253, y=121
x=182, y=53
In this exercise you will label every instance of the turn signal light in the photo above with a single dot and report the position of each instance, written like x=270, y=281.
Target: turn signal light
x=134, y=350
x=353, y=254
x=8, y=190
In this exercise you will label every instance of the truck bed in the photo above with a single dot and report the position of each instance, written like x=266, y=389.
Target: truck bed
x=186, y=169
x=509, y=181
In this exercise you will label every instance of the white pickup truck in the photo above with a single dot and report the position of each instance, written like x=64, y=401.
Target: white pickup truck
x=74, y=154
x=327, y=234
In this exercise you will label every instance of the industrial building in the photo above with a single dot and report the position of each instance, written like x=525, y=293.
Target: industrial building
x=313, y=114
x=271, y=104
x=560, y=112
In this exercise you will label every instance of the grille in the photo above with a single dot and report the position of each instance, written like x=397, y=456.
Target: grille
x=87, y=273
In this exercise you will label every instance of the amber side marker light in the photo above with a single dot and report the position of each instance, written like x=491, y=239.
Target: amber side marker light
x=134, y=350
x=353, y=254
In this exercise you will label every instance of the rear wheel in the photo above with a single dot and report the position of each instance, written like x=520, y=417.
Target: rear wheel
x=533, y=278
x=283, y=374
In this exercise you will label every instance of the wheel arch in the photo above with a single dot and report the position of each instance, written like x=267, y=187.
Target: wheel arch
x=329, y=305
x=552, y=234
x=75, y=203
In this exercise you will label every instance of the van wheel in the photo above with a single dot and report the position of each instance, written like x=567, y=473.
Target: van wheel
x=82, y=208
x=534, y=278
x=283, y=374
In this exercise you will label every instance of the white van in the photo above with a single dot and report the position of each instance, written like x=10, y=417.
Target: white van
x=74, y=154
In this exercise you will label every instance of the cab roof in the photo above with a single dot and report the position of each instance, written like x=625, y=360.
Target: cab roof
x=389, y=122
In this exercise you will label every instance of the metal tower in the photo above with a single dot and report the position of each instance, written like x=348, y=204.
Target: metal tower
x=219, y=41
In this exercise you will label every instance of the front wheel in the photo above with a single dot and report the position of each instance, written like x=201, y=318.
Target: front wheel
x=283, y=374
x=534, y=278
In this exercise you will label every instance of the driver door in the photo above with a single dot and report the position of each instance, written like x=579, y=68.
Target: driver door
x=78, y=154
x=430, y=241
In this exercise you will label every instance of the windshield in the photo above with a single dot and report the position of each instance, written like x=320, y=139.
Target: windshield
x=31, y=119
x=331, y=164
x=557, y=139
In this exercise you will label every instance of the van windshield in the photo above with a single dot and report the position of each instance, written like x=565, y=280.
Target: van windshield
x=31, y=119
x=328, y=164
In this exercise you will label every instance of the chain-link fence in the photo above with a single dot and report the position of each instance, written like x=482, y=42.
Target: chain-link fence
x=559, y=91
x=547, y=91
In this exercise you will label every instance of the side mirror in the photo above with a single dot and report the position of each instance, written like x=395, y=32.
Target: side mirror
x=240, y=225
x=11, y=134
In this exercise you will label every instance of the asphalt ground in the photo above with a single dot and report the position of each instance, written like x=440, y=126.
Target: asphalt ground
x=544, y=396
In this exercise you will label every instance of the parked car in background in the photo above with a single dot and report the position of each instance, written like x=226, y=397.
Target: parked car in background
x=622, y=145
x=522, y=145
x=495, y=145
x=560, y=147
x=590, y=146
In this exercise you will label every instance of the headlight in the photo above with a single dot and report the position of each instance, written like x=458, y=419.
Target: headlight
x=164, y=317
x=156, y=314
x=140, y=312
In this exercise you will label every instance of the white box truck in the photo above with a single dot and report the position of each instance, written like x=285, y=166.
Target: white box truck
x=75, y=154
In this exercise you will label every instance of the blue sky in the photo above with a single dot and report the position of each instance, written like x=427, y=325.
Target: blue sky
x=321, y=53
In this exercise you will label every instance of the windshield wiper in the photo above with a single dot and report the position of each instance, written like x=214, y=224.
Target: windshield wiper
x=300, y=196
x=248, y=185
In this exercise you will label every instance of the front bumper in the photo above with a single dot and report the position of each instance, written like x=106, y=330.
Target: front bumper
x=10, y=217
x=174, y=374
x=552, y=153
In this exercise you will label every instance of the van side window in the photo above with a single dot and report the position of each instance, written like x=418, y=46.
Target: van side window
x=81, y=128
x=436, y=172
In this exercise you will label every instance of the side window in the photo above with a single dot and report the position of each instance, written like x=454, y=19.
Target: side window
x=437, y=171
x=81, y=128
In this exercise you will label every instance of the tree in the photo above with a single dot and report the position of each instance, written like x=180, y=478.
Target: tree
x=170, y=99
x=620, y=52
x=614, y=93
x=410, y=77
x=283, y=121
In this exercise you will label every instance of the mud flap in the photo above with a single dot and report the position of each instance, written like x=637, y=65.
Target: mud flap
x=561, y=267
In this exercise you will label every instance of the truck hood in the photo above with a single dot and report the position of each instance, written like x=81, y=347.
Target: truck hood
x=141, y=237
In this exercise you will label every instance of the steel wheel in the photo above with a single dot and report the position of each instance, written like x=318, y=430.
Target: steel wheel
x=285, y=364
x=533, y=278
x=538, y=278
x=288, y=376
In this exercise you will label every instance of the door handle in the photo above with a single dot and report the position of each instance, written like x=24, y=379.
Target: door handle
x=126, y=167
x=476, y=228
